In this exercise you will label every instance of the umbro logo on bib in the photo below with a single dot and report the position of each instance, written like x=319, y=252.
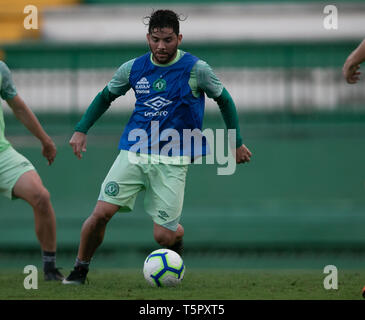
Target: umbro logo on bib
x=157, y=103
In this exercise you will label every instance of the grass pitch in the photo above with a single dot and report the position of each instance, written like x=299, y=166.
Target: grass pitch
x=111, y=284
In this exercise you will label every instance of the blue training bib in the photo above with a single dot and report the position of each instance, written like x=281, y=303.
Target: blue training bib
x=166, y=112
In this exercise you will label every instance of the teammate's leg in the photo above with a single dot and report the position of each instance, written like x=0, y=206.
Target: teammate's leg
x=92, y=235
x=29, y=187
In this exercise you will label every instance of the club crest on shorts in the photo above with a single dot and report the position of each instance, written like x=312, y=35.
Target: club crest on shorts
x=111, y=188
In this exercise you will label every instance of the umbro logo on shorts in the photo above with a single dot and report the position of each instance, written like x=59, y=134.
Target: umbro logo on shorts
x=163, y=215
x=25, y=164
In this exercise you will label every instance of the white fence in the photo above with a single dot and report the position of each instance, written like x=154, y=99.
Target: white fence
x=252, y=89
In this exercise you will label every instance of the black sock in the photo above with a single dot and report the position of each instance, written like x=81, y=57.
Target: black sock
x=49, y=261
x=82, y=264
x=178, y=247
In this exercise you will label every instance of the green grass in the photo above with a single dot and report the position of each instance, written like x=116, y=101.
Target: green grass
x=119, y=284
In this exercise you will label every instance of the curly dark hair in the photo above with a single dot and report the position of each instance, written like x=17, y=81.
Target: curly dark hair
x=164, y=19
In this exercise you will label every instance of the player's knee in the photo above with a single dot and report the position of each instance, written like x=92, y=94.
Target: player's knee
x=41, y=198
x=101, y=217
x=102, y=213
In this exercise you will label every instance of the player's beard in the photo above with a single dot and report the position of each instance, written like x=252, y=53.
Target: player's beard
x=168, y=57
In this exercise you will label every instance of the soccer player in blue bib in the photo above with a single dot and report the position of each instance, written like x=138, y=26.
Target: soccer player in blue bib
x=169, y=86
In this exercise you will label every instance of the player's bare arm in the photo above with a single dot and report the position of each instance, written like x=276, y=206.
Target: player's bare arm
x=351, y=67
x=30, y=121
x=78, y=143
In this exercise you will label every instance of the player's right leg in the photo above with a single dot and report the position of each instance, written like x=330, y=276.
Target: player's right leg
x=118, y=193
x=93, y=229
x=92, y=235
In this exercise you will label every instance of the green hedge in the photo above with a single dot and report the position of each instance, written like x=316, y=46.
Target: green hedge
x=232, y=54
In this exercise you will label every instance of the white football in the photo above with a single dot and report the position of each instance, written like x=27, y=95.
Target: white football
x=163, y=268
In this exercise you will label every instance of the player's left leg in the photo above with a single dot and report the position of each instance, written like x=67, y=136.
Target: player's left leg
x=169, y=238
x=164, y=201
x=166, y=237
x=29, y=187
